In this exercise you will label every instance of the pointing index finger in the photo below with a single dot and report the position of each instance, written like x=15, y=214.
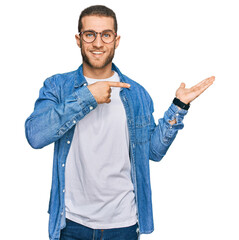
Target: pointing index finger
x=118, y=84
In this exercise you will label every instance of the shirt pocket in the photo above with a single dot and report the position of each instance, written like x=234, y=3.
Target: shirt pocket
x=142, y=124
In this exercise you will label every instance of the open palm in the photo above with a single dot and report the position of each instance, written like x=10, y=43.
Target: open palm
x=187, y=95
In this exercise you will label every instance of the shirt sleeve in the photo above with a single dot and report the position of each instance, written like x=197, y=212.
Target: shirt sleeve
x=163, y=134
x=52, y=117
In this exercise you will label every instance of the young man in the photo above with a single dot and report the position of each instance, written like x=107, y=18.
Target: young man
x=104, y=133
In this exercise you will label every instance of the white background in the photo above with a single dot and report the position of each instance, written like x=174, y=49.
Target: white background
x=195, y=187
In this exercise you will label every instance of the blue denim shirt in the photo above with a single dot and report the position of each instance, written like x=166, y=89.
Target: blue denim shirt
x=63, y=101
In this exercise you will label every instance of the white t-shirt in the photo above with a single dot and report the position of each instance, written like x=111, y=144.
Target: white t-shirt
x=99, y=192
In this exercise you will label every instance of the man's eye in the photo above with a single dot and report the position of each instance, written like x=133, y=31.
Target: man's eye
x=106, y=35
x=89, y=35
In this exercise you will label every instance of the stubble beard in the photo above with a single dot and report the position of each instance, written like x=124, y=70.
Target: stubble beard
x=107, y=61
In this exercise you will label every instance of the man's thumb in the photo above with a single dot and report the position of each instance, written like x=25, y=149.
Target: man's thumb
x=183, y=85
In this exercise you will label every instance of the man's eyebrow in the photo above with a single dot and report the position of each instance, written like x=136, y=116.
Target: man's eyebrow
x=95, y=31
x=89, y=30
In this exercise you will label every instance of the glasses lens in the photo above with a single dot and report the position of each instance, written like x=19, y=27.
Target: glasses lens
x=88, y=36
x=108, y=36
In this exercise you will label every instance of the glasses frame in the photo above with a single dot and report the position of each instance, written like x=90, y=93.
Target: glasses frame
x=96, y=33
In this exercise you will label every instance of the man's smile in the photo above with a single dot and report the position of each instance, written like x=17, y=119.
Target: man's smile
x=97, y=53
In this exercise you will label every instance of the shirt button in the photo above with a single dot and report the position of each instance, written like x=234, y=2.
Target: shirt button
x=63, y=165
x=177, y=114
x=61, y=213
x=74, y=121
x=63, y=190
x=91, y=107
x=84, y=84
x=68, y=142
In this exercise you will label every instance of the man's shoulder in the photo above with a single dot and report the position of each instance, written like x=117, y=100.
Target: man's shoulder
x=137, y=86
x=61, y=80
x=61, y=77
x=133, y=82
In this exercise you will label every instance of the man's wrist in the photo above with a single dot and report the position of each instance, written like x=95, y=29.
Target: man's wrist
x=181, y=104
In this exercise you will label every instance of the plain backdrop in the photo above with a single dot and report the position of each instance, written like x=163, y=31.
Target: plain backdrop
x=163, y=43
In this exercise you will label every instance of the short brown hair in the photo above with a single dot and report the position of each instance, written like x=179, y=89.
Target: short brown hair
x=97, y=10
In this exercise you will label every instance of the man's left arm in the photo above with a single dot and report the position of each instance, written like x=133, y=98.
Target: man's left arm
x=163, y=134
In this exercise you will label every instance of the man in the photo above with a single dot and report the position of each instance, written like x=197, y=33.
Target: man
x=104, y=133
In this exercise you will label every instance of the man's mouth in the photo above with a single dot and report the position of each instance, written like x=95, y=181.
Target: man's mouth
x=97, y=52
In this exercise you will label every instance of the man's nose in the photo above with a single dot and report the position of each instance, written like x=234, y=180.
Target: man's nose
x=98, y=41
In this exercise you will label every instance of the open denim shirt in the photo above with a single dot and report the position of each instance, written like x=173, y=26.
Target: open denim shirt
x=63, y=101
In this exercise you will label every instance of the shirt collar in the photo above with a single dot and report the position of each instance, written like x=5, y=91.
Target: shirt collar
x=80, y=79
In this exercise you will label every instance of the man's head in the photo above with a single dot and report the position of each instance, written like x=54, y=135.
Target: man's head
x=97, y=52
x=98, y=10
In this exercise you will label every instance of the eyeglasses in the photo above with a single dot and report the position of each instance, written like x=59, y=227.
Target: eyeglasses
x=107, y=36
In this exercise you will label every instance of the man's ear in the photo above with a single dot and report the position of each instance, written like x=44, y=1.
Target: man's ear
x=77, y=37
x=117, y=40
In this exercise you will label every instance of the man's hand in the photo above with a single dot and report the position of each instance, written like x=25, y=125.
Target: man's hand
x=187, y=95
x=101, y=90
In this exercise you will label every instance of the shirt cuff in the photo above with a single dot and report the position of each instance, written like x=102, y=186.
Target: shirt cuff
x=86, y=99
x=175, y=113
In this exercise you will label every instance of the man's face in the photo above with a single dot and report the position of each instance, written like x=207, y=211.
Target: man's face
x=97, y=54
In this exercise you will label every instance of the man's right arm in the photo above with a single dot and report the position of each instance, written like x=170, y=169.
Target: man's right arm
x=52, y=118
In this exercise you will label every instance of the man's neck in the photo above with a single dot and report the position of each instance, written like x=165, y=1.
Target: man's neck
x=96, y=73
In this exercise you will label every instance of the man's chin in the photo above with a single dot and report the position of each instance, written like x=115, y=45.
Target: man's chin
x=96, y=65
